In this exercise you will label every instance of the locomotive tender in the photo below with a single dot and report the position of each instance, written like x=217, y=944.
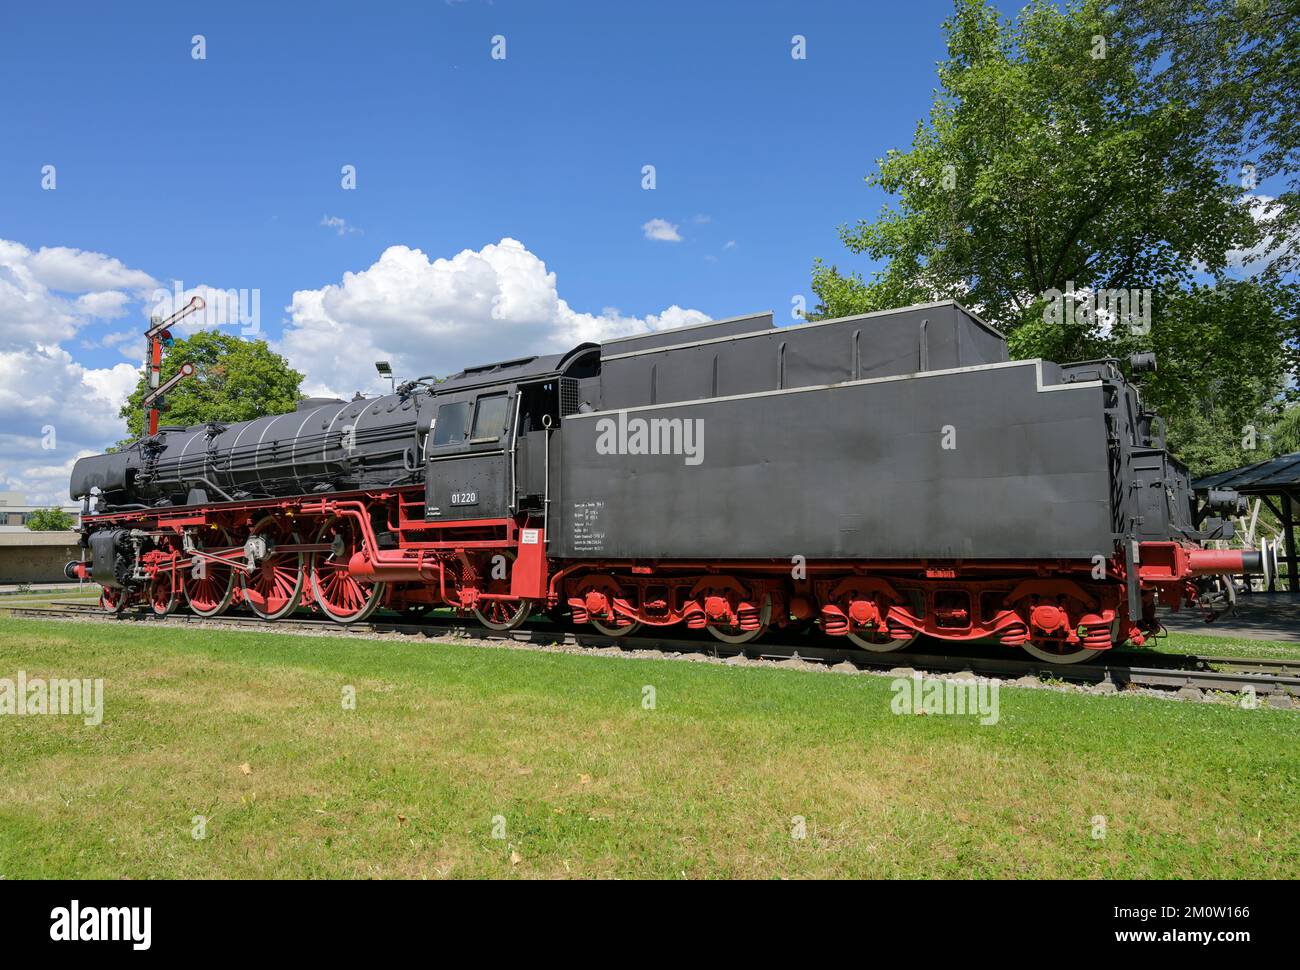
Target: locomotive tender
x=881, y=476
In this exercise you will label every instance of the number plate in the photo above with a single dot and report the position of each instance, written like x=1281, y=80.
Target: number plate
x=464, y=498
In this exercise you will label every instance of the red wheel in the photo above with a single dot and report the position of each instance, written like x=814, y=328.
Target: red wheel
x=274, y=587
x=501, y=615
x=340, y=595
x=607, y=629
x=210, y=586
x=1055, y=652
x=879, y=641
x=734, y=634
x=113, y=600
x=163, y=592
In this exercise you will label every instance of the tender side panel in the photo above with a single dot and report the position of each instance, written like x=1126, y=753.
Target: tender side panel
x=849, y=471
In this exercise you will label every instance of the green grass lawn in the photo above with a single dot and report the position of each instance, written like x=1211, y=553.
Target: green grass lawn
x=249, y=730
x=1221, y=646
x=90, y=594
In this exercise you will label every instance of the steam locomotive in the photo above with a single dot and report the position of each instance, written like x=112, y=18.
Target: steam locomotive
x=879, y=477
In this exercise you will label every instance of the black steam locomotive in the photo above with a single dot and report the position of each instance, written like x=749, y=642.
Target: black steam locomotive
x=882, y=477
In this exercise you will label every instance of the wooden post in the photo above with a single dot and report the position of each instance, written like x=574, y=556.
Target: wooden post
x=1288, y=531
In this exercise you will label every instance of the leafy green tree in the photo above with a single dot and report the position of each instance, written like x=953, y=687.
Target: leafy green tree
x=1286, y=432
x=234, y=380
x=1226, y=354
x=1046, y=164
x=1040, y=165
x=50, y=520
x=1236, y=63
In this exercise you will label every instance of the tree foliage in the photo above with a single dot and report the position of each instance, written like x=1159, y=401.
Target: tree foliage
x=234, y=380
x=1236, y=64
x=50, y=520
x=1049, y=162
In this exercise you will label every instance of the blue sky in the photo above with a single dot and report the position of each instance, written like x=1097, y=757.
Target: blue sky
x=226, y=172
x=221, y=170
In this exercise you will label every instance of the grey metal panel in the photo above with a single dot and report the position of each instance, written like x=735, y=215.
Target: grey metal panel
x=932, y=337
x=855, y=470
x=749, y=323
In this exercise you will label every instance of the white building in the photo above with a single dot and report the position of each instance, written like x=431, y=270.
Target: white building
x=15, y=511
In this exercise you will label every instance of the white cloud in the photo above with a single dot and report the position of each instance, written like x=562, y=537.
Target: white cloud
x=1263, y=209
x=52, y=407
x=43, y=386
x=239, y=309
x=105, y=305
x=75, y=271
x=438, y=316
x=339, y=224
x=661, y=230
x=31, y=309
x=424, y=315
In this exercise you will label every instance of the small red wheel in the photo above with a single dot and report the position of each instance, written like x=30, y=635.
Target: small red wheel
x=501, y=615
x=274, y=588
x=340, y=595
x=163, y=592
x=113, y=600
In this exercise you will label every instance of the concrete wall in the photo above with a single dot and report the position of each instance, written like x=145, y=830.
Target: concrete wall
x=36, y=557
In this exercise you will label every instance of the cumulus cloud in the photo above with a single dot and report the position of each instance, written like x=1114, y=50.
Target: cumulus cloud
x=105, y=305
x=75, y=271
x=33, y=307
x=53, y=408
x=441, y=315
x=236, y=308
x=661, y=230
x=425, y=315
x=54, y=411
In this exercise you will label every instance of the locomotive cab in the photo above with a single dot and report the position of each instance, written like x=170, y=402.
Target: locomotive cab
x=487, y=454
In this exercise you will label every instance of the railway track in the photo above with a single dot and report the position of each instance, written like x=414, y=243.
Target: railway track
x=1122, y=668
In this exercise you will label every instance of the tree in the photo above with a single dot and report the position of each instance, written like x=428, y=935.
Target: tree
x=1040, y=166
x=1045, y=167
x=50, y=520
x=1236, y=63
x=234, y=380
x=1285, y=434
x=1225, y=354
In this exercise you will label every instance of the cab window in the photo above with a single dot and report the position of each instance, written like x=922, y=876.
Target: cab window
x=450, y=424
x=490, y=417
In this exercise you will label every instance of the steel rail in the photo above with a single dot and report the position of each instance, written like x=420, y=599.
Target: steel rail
x=1197, y=671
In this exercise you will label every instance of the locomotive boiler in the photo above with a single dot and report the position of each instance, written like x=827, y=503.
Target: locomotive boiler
x=879, y=477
